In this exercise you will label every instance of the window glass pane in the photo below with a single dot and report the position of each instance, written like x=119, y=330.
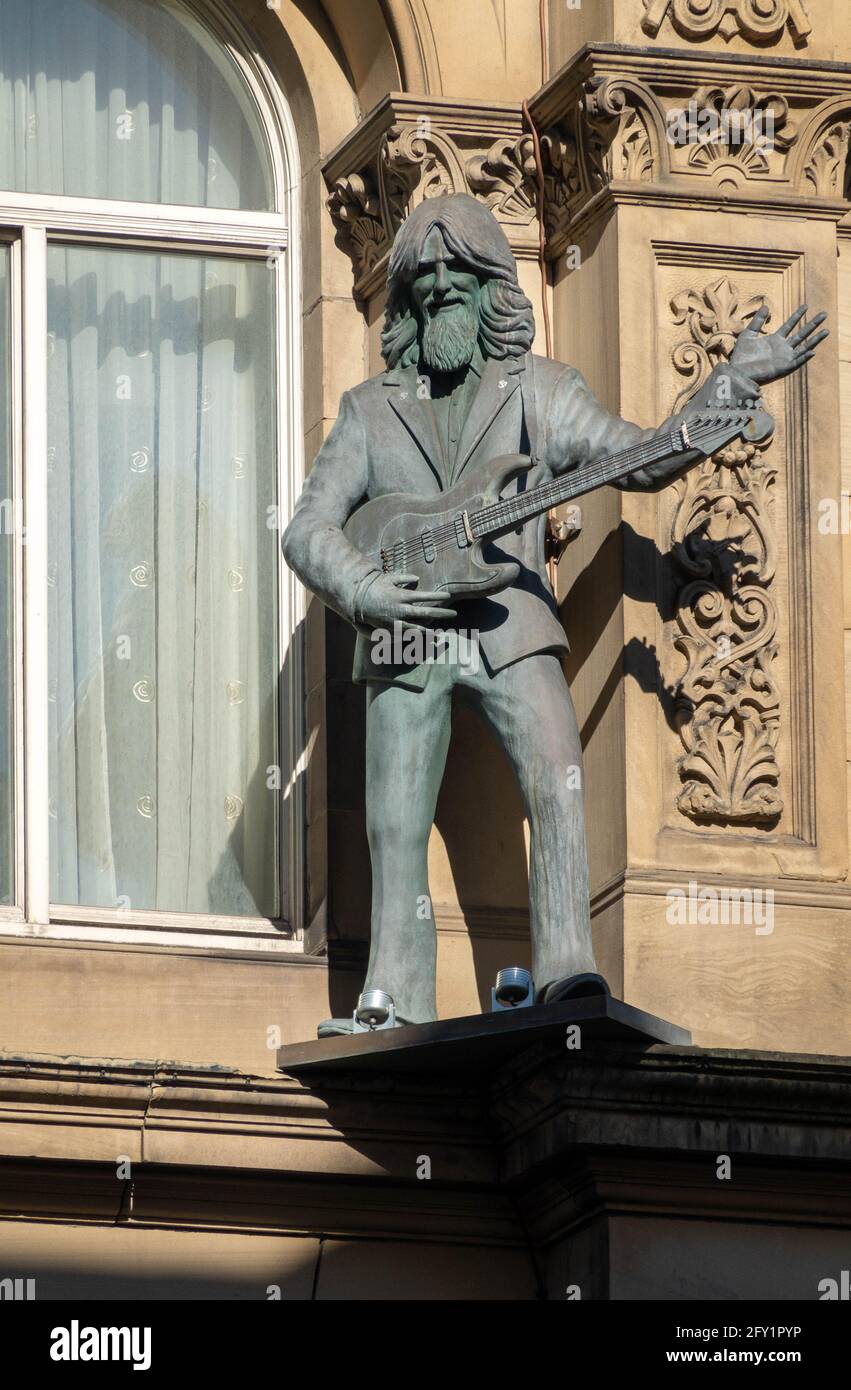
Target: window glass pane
x=10, y=515
x=128, y=99
x=162, y=581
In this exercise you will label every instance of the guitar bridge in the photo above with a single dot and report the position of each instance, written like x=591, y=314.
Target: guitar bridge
x=463, y=531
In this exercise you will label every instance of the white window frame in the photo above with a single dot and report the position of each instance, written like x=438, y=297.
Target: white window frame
x=28, y=223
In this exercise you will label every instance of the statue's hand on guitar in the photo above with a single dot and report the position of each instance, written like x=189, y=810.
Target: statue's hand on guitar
x=387, y=599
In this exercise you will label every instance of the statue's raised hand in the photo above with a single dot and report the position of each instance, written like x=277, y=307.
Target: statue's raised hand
x=767, y=357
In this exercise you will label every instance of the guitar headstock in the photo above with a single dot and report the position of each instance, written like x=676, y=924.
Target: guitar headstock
x=712, y=428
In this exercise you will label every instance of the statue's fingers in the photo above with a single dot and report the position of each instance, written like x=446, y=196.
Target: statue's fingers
x=801, y=357
x=428, y=596
x=425, y=610
x=808, y=329
x=809, y=347
x=786, y=328
x=403, y=579
x=759, y=319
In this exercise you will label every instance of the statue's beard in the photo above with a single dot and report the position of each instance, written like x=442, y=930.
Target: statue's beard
x=449, y=338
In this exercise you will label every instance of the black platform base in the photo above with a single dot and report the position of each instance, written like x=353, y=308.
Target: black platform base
x=480, y=1042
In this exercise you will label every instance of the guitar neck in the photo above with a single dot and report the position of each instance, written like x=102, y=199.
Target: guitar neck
x=510, y=512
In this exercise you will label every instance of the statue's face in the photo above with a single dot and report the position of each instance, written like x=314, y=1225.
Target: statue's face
x=446, y=294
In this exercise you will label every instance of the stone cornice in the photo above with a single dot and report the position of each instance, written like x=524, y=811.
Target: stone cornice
x=615, y=1129
x=693, y=67
x=168, y=1112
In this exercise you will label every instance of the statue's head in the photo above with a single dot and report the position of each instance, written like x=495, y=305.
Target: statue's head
x=452, y=281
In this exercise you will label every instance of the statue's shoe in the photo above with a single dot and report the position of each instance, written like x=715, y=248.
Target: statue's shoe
x=339, y=1027
x=573, y=987
x=335, y=1028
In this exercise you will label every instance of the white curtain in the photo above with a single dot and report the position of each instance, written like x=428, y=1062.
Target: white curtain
x=161, y=466
x=162, y=581
x=128, y=99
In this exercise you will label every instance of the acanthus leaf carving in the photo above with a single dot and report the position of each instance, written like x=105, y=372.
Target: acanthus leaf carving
x=412, y=161
x=355, y=209
x=827, y=173
x=615, y=134
x=563, y=183
x=415, y=162
x=505, y=178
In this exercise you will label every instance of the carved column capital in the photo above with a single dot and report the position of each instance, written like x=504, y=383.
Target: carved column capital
x=681, y=128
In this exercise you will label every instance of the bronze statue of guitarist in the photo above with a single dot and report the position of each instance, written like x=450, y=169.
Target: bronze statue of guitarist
x=466, y=419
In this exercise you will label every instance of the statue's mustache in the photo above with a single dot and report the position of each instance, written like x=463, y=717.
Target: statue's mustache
x=434, y=306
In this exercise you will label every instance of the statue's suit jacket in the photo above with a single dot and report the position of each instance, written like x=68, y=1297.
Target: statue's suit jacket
x=384, y=440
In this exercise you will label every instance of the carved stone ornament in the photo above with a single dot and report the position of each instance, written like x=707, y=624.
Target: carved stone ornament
x=724, y=553
x=827, y=173
x=618, y=142
x=414, y=162
x=506, y=179
x=734, y=129
x=760, y=21
x=605, y=135
x=355, y=209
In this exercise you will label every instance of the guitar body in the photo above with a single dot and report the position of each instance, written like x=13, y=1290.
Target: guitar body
x=397, y=532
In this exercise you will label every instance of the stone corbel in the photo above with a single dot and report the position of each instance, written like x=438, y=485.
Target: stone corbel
x=412, y=148
x=599, y=128
x=632, y=124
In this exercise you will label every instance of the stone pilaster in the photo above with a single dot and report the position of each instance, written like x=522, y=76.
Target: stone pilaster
x=684, y=189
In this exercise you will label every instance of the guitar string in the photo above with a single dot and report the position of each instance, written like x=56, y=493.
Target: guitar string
x=517, y=509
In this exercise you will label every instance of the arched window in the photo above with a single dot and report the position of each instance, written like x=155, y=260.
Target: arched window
x=147, y=707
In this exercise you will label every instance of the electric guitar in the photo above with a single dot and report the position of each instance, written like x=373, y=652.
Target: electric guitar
x=441, y=539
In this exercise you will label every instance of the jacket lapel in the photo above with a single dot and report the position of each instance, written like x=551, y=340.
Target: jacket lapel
x=500, y=379
x=417, y=416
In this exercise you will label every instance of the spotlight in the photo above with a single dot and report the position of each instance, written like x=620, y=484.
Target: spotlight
x=514, y=989
x=375, y=1010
